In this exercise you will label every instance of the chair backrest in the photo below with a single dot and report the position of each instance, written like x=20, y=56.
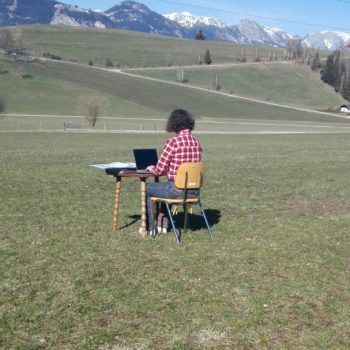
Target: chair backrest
x=190, y=176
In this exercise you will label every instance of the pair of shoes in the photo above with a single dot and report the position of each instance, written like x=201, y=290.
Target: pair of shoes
x=162, y=230
x=148, y=233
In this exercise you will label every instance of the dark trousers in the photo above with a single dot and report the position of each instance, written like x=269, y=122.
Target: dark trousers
x=165, y=189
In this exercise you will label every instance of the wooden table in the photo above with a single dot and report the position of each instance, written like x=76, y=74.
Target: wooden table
x=118, y=184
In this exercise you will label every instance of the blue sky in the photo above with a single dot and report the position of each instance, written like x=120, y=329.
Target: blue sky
x=293, y=16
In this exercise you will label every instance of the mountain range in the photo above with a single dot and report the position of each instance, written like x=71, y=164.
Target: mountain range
x=131, y=15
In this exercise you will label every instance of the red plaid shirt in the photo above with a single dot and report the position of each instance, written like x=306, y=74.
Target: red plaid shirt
x=179, y=149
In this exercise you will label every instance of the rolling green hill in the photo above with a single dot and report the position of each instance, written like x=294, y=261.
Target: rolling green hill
x=130, y=95
x=56, y=87
x=131, y=49
x=290, y=84
x=44, y=93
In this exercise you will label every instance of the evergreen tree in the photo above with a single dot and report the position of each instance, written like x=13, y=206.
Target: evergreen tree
x=337, y=71
x=207, y=58
x=329, y=74
x=343, y=74
x=345, y=92
x=316, y=63
x=200, y=35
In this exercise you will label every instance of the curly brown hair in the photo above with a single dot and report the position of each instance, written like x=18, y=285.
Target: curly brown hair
x=179, y=120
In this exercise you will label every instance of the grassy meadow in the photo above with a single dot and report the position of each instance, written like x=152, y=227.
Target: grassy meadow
x=127, y=48
x=277, y=194
x=288, y=84
x=276, y=275
x=48, y=94
x=56, y=88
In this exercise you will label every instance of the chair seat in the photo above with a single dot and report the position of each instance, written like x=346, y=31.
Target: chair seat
x=175, y=200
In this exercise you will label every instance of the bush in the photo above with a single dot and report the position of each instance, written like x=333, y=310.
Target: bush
x=51, y=56
x=109, y=63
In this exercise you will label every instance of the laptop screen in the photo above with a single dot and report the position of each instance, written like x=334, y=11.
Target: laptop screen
x=145, y=157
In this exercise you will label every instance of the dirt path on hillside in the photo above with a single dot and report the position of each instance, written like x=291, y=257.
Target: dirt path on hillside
x=193, y=87
x=188, y=86
x=212, y=65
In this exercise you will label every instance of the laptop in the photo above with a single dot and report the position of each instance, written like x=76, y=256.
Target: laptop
x=145, y=157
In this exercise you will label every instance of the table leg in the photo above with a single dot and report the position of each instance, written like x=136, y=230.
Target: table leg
x=143, y=207
x=118, y=185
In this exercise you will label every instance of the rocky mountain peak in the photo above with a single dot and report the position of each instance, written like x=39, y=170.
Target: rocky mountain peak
x=131, y=6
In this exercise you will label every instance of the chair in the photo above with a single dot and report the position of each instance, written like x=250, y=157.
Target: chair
x=189, y=177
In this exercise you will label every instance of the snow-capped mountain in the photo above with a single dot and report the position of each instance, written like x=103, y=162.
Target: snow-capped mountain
x=253, y=33
x=327, y=40
x=73, y=16
x=132, y=15
x=187, y=20
x=246, y=31
x=278, y=35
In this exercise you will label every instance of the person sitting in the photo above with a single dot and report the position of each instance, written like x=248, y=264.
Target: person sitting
x=181, y=148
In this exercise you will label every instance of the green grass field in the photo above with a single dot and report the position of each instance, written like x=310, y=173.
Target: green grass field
x=55, y=89
x=46, y=94
x=127, y=49
x=290, y=84
x=276, y=275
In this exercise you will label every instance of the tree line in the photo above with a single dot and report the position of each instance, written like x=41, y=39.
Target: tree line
x=335, y=73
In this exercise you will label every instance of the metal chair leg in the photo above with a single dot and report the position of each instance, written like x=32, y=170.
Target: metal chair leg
x=177, y=237
x=186, y=216
x=205, y=219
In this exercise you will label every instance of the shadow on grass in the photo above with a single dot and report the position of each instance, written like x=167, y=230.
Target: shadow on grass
x=195, y=221
x=131, y=220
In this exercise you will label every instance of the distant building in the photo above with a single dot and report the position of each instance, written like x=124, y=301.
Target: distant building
x=344, y=108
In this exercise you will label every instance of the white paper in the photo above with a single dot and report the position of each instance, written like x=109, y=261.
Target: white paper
x=117, y=165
